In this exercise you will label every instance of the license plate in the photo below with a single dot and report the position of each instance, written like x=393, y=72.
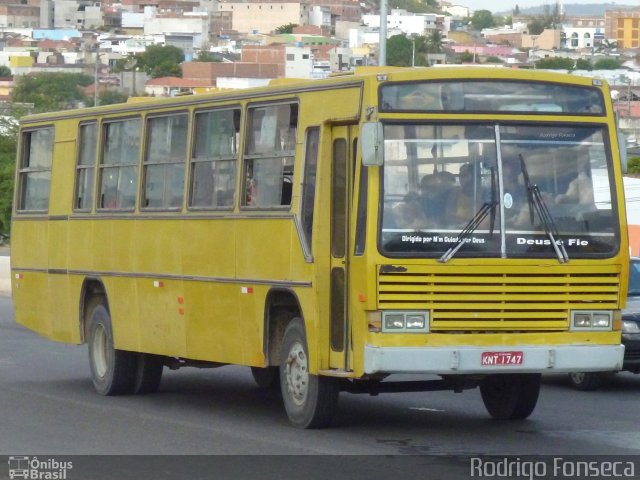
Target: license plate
x=490, y=359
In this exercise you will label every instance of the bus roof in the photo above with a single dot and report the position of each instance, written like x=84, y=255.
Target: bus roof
x=293, y=86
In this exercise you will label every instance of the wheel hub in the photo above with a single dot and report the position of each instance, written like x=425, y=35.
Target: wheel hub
x=297, y=374
x=100, y=349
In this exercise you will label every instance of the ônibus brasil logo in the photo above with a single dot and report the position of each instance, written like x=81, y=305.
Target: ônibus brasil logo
x=32, y=468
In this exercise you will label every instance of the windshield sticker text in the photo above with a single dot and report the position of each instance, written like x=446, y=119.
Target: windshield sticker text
x=439, y=239
x=571, y=242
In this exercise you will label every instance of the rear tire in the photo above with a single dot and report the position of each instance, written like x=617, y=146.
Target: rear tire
x=309, y=400
x=510, y=396
x=587, y=381
x=113, y=371
x=148, y=373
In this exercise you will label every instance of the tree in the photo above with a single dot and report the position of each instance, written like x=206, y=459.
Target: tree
x=549, y=19
x=493, y=59
x=583, y=64
x=607, y=46
x=482, y=19
x=537, y=26
x=8, y=143
x=399, y=51
x=109, y=97
x=607, y=64
x=434, y=42
x=288, y=28
x=51, y=91
x=516, y=10
x=5, y=71
x=633, y=165
x=162, y=61
x=467, y=57
x=557, y=63
x=416, y=6
x=207, y=57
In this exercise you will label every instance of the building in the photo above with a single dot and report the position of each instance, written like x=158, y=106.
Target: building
x=623, y=26
x=23, y=16
x=265, y=16
x=407, y=23
x=173, y=86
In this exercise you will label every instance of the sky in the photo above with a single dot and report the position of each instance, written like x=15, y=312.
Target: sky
x=502, y=5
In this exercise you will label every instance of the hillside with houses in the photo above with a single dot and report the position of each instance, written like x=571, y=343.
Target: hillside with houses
x=233, y=44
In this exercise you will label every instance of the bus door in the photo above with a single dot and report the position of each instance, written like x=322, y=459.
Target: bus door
x=342, y=163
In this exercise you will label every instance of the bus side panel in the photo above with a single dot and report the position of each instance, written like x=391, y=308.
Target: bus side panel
x=63, y=312
x=161, y=316
x=211, y=299
x=214, y=323
x=113, y=244
x=263, y=255
x=31, y=301
x=29, y=275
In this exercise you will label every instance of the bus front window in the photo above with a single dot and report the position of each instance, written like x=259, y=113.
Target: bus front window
x=442, y=187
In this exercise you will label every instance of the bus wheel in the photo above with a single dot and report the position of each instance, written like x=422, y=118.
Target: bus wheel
x=587, y=380
x=510, y=396
x=112, y=371
x=266, y=377
x=148, y=373
x=309, y=400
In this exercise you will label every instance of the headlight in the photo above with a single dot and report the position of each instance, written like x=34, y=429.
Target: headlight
x=591, y=320
x=394, y=322
x=582, y=320
x=629, y=326
x=601, y=320
x=415, y=322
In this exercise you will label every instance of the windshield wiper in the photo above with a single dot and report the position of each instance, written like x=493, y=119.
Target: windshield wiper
x=536, y=201
x=474, y=223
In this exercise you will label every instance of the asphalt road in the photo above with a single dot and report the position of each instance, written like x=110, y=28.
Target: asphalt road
x=48, y=407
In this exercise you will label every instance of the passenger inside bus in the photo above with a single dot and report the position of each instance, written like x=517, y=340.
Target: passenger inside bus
x=408, y=214
x=434, y=191
x=464, y=201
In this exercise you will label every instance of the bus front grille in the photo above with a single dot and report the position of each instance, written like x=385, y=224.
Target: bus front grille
x=484, y=298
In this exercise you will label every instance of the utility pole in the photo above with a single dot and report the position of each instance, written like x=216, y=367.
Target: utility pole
x=413, y=50
x=382, y=52
x=95, y=76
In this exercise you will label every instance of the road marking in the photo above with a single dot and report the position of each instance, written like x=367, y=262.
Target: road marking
x=425, y=409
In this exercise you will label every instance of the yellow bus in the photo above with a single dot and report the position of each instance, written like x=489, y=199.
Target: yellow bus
x=463, y=225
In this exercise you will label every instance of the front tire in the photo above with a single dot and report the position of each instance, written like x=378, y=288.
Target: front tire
x=510, y=396
x=113, y=371
x=309, y=400
x=267, y=378
x=587, y=381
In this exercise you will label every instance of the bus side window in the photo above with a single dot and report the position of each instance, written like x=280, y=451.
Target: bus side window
x=35, y=170
x=270, y=155
x=119, y=164
x=164, y=162
x=86, y=165
x=214, y=159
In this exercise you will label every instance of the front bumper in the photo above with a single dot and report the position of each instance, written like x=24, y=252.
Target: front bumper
x=467, y=360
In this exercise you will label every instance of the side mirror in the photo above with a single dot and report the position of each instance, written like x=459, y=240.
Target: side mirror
x=622, y=145
x=372, y=139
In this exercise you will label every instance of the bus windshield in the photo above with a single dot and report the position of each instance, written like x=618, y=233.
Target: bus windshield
x=498, y=190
